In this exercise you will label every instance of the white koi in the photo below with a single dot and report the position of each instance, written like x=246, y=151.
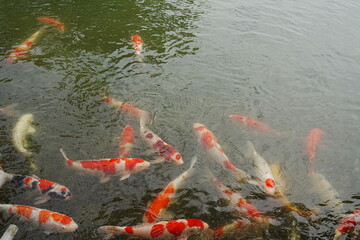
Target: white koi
x=20, y=131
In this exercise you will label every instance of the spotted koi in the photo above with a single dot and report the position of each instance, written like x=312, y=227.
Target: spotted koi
x=264, y=178
x=138, y=43
x=127, y=141
x=165, y=151
x=108, y=167
x=44, y=188
x=173, y=229
x=312, y=140
x=49, y=221
x=252, y=123
x=209, y=142
x=162, y=201
x=347, y=224
x=236, y=226
x=126, y=108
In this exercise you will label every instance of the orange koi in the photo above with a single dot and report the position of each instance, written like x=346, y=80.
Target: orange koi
x=52, y=21
x=312, y=140
x=49, y=221
x=252, y=123
x=162, y=200
x=127, y=140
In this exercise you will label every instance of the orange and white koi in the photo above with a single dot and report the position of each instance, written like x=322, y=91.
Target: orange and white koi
x=49, y=221
x=212, y=146
x=21, y=50
x=264, y=178
x=166, y=152
x=173, y=229
x=127, y=141
x=126, y=108
x=161, y=202
x=236, y=226
x=252, y=123
x=347, y=224
x=44, y=188
x=108, y=167
x=138, y=43
x=313, y=139
x=241, y=206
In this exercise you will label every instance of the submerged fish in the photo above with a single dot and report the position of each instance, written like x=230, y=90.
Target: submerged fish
x=252, y=123
x=44, y=188
x=126, y=108
x=212, y=146
x=312, y=140
x=180, y=229
x=9, y=110
x=10, y=232
x=50, y=222
x=20, y=131
x=236, y=227
x=263, y=175
x=127, y=140
x=108, y=167
x=165, y=151
x=347, y=224
x=25, y=47
x=162, y=200
x=136, y=39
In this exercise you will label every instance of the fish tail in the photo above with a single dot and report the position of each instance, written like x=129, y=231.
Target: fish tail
x=9, y=110
x=250, y=150
x=4, y=177
x=110, y=231
x=68, y=161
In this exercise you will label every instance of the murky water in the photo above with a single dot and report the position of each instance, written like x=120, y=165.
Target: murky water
x=292, y=65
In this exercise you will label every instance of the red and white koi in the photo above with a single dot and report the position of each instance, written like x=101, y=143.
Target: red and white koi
x=166, y=152
x=173, y=229
x=126, y=108
x=44, y=188
x=252, y=123
x=238, y=225
x=264, y=178
x=22, y=50
x=347, y=224
x=212, y=146
x=49, y=221
x=242, y=207
x=312, y=140
x=162, y=201
x=138, y=43
x=127, y=141
x=108, y=167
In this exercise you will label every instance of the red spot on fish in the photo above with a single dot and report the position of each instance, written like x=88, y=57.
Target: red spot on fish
x=108, y=100
x=69, y=162
x=195, y=223
x=29, y=43
x=207, y=140
x=250, y=209
x=130, y=163
x=19, y=51
x=229, y=165
x=228, y=192
x=24, y=211
x=136, y=39
x=218, y=232
x=149, y=135
x=157, y=230
x=200, y=128
x=178, y=157
x=106, y=166
x=129, y=230
x=61, y=218
x=44, y=216
x=28, y=180
x=127, y=135
x=129, y=109
x=270, y=183
x=63, y=189
x=347, y=224
x=45, y=184
x=175, y=228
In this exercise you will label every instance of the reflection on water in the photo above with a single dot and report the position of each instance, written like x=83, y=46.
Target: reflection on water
x=293, y=66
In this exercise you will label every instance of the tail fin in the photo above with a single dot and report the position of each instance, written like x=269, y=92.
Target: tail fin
x=110, y=231
x=191, y=168
x=68, y=161
x=3, y=177
x=53, y=22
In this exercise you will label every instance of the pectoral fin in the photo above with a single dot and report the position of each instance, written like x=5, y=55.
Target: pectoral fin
x=41, y=199
x=125, y=176
x=30, y=130
x=250, y=150
x=104, y=179
x=157, y=160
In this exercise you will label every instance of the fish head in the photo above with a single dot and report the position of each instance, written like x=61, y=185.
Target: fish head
x=140, y=166
x=269, y=186
x=60, y=192
x=237, y=118
x=176, y=159
x=70, y=227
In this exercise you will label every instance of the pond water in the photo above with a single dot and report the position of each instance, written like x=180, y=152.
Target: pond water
x=294, y=65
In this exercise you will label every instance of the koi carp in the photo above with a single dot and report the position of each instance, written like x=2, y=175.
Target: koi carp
x=106, y=168
x=241, y=206
x=347, y=224
x=229, y=229
x=162, y=200
x=312, y=140
x=264, y=178
x=126, y=108
x=174, y=229
x=10, y=232
x=25, y=47
x=252, y=123
x=49, y=221
x=20, y=131
x=44, y=188
x=166, y=152
x=209, y=142
x=127, y=140
x=138, y=43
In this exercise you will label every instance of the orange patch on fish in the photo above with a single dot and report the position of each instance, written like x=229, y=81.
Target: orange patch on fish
x=24, y=211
